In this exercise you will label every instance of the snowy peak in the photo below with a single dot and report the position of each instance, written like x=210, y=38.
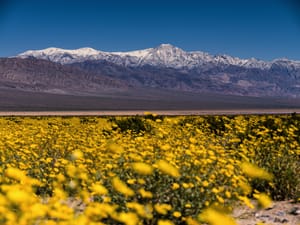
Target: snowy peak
x=63, y=56
x=168, y=48
x=54, y=51
x=136, y=53
x=164, y=55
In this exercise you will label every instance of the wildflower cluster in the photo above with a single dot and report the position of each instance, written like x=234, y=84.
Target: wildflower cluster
x=180, y=170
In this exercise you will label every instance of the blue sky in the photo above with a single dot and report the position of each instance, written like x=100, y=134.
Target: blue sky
x=264, y=29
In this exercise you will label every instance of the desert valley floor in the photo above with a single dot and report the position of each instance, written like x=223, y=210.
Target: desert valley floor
x=134, y=102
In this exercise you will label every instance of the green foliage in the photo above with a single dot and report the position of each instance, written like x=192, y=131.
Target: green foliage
x=216, y=124
x=285, y=166
x=88, y=120
x=134, y=124
x=154, y=117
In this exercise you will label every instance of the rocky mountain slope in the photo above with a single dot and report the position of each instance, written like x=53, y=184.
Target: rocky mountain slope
x=45, y=76
x=169, y=67
x=165, y=67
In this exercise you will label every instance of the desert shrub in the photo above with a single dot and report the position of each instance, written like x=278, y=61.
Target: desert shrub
x=154, y=117
x=272, y=143
x=85, y=119
x=134, y=124
x=216, y=124
x=284, y=164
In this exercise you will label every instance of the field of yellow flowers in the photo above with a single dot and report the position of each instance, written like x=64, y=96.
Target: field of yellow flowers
x=144, y=170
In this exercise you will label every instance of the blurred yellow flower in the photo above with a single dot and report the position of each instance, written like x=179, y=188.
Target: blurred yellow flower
x=141, y=210
x=188, y=205
x=167, y=168
x=263, y=199
x=205, y=183
x=227, y=194
x=145, y=194
x=254, y=171
x=128, y=218
x=131, y=181
x=177, y=214
x=162, y=208
x=191, y=221
x=142, y=168
x=115, y=148
x=165, y=222
x=15, y=173
x=18, y=196
x=175, y=186
x=246, y=201
x=77, y=154
x=165, y=147
x=214, y=217
x=121, y=187
x=99, y=189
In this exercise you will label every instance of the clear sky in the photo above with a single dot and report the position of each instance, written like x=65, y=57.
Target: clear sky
x=264, y=29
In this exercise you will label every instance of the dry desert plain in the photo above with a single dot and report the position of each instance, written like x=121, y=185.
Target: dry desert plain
x=158, y=112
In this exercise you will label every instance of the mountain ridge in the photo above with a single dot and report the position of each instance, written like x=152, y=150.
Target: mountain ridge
x=165, y=55
x=87, y=71
x=45, y=76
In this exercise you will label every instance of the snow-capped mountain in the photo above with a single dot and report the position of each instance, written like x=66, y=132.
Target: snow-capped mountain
x=165, y=55
x=164, y=67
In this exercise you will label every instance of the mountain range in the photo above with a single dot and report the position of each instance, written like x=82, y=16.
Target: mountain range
x=165, y=55
x=169, y=67
x=89, y=72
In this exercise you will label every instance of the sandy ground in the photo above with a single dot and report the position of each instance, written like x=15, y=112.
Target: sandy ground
x=281, y=212
x=140, y=112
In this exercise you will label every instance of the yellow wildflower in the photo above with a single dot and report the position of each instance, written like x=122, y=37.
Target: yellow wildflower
x=131, y=181
x=142, y=168
x=15, y=173
x=192, y=140
x=141, y=210
x=264, y=200
x=18, y=196
x=254, y=171
x=215, y=217
x=185, y=185
x=165, y=222
x=115, y=148
x=121, y=187
x=191, y=221
x=176, y=214
x=145, y=194
x=246, y=201
x=175, y=186
x=188, y=205
x=162, y=208
x=141, y=181
x=205, y=183
x=167, y=168
x=165, y=147
x=227, y=194
x=128, y=218
x=245, y=187
x=77, y=154
x=99, y=189
x=220, y=199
